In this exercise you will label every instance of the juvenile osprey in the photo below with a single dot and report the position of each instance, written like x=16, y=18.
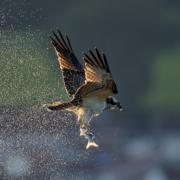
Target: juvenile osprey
x=91, y=88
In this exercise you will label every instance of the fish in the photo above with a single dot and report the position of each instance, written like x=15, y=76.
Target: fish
x=89, y=135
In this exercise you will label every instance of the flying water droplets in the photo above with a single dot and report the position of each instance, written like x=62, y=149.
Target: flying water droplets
x=16, y=166
x=34, y=143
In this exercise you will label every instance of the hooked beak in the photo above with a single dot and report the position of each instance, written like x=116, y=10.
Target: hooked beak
x=119, y=106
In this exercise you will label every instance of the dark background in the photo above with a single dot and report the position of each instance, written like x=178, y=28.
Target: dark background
x=141, y=41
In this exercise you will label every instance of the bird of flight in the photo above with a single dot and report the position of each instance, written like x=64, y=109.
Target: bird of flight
x=91, y=89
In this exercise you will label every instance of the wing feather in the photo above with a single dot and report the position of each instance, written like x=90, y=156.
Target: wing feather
x=99, y=81
x=88, y=88
x=72, y=71
x=96, y=67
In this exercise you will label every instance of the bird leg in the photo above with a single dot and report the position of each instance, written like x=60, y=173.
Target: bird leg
x=85, y=131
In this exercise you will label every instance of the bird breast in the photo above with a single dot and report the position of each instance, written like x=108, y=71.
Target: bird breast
x=96, y=105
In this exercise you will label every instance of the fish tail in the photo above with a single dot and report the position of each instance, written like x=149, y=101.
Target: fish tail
x=91, y=144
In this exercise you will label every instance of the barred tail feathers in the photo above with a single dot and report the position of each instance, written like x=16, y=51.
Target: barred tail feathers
x=59, y=106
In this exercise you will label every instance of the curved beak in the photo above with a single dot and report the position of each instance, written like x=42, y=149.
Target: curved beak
x=119, y=106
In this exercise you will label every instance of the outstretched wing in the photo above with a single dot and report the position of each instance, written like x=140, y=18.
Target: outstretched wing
x=98, y=76
x=97, y=70
x=72, y=71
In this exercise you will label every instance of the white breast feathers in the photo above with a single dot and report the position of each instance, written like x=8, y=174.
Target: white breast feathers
x=95, y=105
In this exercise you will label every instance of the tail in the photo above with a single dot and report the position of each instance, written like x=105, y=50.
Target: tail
x=58, y=106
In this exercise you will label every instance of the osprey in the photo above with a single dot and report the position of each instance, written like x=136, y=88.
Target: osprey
x=91, y=89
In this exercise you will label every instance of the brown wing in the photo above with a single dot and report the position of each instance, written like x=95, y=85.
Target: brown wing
x=72, y=71
x=87, y=89
x=97, y=70
x=98, y=76
x=96, y=67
